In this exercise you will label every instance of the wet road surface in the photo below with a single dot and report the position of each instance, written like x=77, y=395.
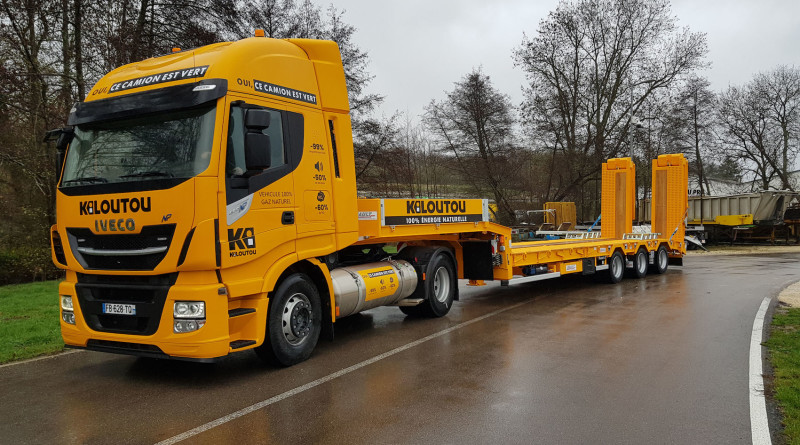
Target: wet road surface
x=658, y=360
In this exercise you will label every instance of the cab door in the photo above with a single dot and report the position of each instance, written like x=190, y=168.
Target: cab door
x=259, y=222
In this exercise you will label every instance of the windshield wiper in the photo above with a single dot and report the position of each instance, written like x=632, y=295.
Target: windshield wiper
x=92, y=179
x=146, y=174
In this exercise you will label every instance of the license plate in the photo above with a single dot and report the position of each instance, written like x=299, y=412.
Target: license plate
x=119, y=309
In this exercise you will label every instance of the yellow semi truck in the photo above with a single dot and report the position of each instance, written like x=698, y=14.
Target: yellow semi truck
x=207, y=205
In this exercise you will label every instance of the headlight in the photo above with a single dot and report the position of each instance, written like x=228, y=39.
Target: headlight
x=68, y=317
x=66, y=302
x=189, y=309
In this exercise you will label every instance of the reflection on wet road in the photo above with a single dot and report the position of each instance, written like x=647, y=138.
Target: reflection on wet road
x=663, y=359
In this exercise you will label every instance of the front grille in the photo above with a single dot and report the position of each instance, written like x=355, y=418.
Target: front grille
x=147, y=293
x=142, y=251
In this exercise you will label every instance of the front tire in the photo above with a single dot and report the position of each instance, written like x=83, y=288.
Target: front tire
x=294, y=322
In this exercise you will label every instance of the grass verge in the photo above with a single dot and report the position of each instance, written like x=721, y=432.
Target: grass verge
x=784, y=355
x=29, y=320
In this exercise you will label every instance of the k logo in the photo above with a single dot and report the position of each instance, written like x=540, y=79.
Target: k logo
x=241, y=239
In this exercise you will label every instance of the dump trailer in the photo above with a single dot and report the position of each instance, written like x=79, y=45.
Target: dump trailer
x=207, y=205
x=754, y=215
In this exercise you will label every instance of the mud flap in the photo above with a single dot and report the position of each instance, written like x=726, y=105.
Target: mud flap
x=676, y=261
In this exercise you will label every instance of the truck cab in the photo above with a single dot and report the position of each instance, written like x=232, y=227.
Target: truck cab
x=192, y=185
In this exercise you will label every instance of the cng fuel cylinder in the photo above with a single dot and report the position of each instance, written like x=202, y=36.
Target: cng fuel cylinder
x=366, y=286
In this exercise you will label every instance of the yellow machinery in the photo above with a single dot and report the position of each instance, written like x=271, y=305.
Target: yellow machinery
x=560, y=215
x=207, y=205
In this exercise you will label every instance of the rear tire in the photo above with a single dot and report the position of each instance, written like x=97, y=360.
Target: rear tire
x=640, y=263
x=441, y=288
x=438, y=290
x=616, y=268
x=660, y=261
x=294, y=322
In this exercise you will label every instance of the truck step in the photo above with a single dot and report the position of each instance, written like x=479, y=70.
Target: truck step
x=239, y=344
x=410, y=302
x=240, y=311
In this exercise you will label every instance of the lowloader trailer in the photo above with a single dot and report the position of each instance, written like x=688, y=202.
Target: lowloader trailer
x=207, y=205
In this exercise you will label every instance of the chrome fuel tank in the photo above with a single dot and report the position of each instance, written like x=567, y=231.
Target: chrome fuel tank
x=366, y=286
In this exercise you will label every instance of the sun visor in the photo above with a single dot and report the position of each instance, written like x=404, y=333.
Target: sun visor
x=148, y=102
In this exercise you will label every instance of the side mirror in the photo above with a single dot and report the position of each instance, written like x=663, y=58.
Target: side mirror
x=257, y=149
x=257, y=119
x=62, y=136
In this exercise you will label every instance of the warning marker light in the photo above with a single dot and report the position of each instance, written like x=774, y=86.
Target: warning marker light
x=176, y=50
x=260, y=33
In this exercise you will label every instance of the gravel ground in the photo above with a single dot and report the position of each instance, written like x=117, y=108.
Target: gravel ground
x=791, y=295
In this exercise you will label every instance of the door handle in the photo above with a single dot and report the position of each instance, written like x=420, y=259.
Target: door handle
x=287, y=218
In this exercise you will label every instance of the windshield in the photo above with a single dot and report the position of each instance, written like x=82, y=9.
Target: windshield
x=176, y=144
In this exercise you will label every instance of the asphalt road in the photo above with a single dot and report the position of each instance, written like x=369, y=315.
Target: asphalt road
x=658, y=360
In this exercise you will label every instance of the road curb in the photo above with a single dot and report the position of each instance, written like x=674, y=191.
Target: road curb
x=41, y=357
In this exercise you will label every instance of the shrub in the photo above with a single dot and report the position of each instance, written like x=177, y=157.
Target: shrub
x=23, y=265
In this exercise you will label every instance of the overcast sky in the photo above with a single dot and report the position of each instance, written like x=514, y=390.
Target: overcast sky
x=418, y=48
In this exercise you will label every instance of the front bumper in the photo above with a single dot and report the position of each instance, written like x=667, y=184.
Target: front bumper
x=209, y=342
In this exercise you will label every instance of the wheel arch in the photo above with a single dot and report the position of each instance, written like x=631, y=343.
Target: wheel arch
x=320, y=276
x=429, y=252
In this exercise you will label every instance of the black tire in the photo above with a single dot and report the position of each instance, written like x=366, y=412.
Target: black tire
x=294, y=322
x=660, y=261
x=616, y=268
x=641, y=262
x=438, y=290
x=440, y=287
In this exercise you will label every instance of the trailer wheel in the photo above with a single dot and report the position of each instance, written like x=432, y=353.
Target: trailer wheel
x=439, y=288
x=293, y=322
x=661, y=261
x=616, y=268
x=640, y=263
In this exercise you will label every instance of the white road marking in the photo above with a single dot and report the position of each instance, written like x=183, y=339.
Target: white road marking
x=292, y=392
x=46, y=357
x=758, y=404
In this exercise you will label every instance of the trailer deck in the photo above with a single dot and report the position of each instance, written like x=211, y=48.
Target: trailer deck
x=419, y=221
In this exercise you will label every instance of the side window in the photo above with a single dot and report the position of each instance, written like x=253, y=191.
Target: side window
x=235, y=165
x=281, y=132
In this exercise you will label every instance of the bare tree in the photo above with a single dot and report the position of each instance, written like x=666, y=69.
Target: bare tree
x=590, y=68
x=474, y=125
x=762, y=123
x=747, y=134
x=692, y=121
x=780, y=89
